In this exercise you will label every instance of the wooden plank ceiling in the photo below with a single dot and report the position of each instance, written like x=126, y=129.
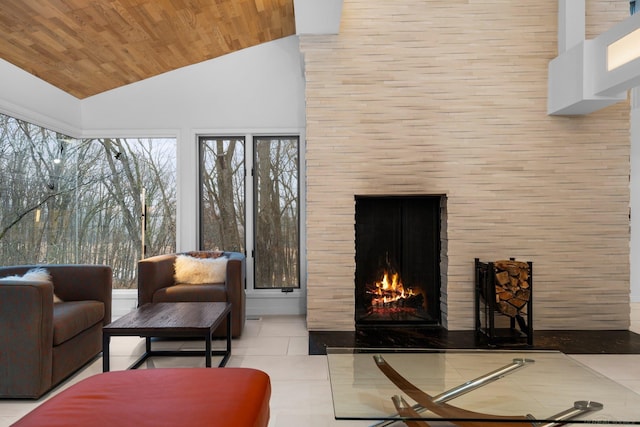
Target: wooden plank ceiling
x=86, y=47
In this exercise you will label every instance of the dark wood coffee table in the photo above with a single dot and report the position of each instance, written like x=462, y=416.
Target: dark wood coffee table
x=171, y=320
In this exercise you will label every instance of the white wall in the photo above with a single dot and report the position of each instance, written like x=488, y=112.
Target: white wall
x=27, y=97
x=258, y=87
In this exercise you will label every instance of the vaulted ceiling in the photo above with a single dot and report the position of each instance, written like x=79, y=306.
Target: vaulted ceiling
x=86, y=47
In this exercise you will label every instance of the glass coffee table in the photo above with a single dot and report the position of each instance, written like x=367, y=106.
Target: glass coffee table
x=474, y=388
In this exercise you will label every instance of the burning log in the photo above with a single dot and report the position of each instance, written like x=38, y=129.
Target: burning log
x=512, y=286
x=390, y=296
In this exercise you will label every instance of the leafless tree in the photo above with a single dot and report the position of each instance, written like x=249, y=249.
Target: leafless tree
x=222, y=178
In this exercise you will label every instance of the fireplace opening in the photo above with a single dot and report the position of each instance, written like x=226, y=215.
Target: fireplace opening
x=397, y=278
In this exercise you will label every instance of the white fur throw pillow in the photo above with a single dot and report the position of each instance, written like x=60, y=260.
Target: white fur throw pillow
x=35, y=275
x=198, y=271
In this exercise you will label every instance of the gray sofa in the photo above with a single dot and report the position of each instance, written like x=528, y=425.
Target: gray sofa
x=42, y=343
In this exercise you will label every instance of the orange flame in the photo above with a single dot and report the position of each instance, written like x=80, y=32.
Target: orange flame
x=389, y=289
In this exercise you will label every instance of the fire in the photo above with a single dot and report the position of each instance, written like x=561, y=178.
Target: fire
x=389, y=289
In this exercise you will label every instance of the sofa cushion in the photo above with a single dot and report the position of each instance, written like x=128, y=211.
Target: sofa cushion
x=200, y=270
x=186, y=292
x=72, y=317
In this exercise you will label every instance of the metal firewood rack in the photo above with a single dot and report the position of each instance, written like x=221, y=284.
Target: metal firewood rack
x=491, y=324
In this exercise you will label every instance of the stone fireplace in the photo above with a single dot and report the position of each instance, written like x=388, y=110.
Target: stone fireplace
x=416, y=98
x=397, y=275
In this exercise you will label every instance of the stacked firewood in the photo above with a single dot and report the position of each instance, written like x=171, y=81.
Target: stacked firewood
x=512, y=286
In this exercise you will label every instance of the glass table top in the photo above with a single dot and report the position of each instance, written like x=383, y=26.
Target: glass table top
x=483, y=387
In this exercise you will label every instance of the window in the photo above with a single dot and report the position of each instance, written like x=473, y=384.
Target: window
x=273, y=238
x=96, y=201
x=276, y=212
x=222, y=205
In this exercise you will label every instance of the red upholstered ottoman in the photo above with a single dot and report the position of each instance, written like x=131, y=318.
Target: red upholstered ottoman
x=211, y=397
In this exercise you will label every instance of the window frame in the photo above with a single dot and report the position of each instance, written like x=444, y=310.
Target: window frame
x=249, y=187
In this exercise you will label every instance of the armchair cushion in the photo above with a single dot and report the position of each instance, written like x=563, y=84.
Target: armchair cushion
x=71, y=318
x=186, y=292
x=200, y=271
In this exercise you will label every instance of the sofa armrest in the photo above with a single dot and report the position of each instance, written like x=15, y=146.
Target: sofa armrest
x=154, y=273
x=82, y=282
x=235, y=281
x=26, y=336
x=235, y=284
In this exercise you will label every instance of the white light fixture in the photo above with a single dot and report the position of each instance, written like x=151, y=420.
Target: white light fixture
x=588, y=75
x=58, y=159
x=623, y=50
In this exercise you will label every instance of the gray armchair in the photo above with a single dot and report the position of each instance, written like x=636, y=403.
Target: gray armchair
x=42, y=343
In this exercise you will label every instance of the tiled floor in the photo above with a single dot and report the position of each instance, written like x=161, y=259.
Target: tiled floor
x=278, y=345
